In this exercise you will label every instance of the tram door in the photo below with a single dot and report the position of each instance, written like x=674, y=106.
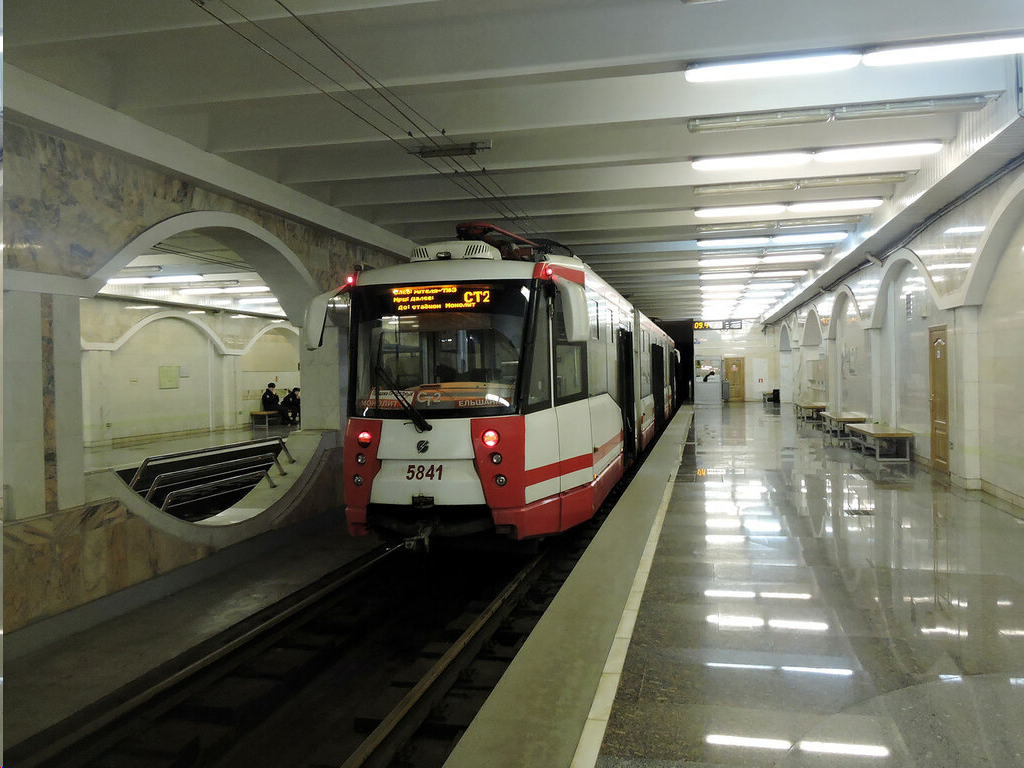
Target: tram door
x=658, y=384
x=626, y=401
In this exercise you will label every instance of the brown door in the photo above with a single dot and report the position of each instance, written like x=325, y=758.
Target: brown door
x=734, y=375
x=938, y=375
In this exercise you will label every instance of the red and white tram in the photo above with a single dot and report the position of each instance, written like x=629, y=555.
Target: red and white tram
x=492, y=394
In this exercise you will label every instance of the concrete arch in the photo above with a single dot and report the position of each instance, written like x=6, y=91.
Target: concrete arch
x=843, y=296
x=150, y=319
x=811, y=336
x=1002, y=227
x=284, y=273
x=785, y=345
x=263, y=332
x=894, y=267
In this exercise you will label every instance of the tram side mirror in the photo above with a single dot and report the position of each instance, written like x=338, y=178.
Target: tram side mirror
x=316, y=318
x=574, y=309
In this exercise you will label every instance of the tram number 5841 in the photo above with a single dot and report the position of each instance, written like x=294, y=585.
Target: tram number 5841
x=424, y=471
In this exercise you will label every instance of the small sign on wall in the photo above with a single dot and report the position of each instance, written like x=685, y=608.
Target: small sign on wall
x=168, y=376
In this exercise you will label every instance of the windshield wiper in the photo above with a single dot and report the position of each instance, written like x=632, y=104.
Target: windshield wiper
x=421, y=424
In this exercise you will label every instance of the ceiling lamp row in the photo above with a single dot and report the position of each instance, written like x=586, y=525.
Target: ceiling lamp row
x=773, y=209
x=843, y=60
x=794, y=159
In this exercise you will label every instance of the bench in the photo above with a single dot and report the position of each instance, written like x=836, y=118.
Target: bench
x=883, y=438
x=835, y=424
x=261, y=419
x=809, y=411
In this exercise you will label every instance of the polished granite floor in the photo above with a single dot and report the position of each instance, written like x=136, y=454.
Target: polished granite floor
x=810, y=607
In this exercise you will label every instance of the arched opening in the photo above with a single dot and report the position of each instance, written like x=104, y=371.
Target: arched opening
x=188, y=324
x=812, y=370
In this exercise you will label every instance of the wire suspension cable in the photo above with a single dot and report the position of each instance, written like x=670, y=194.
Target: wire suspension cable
x=461, y=176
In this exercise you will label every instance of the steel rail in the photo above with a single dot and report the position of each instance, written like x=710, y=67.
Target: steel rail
x=51, y=742
x=401, y=723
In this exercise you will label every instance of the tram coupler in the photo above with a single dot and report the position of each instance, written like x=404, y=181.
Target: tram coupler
x=421, y=541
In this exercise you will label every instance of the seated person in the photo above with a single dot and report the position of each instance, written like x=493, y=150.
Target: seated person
x=270, y=400
x=291, y=407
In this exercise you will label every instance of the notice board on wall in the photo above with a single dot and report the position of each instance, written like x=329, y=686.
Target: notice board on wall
x=167, y=375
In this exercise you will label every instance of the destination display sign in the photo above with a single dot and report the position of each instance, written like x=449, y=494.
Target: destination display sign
x=434, y=298
x=717, y=325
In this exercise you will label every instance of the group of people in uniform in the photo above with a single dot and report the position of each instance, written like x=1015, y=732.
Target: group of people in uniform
x=289, y=408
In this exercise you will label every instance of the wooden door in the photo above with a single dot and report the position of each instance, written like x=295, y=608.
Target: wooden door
x=938, y=376
x=734, y=375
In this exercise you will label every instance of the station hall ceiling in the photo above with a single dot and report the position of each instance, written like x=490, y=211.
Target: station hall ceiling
x=592, y=122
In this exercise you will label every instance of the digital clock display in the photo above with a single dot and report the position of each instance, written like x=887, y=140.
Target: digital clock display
x=707, y=325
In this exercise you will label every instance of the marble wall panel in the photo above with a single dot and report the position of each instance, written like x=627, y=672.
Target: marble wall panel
x=70, y=208
x=1001, y=370
x=854, y=353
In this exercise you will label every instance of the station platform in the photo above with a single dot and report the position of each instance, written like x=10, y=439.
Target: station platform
x=762, y=599
x=755, y=598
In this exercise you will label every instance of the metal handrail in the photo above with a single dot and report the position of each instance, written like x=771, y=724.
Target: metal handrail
x=217, y=484
x=210, y=469
x=212, y=449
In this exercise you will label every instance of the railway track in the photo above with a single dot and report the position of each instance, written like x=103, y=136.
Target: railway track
x=382, y=662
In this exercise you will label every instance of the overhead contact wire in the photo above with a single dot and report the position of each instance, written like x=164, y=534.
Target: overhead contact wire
x=354, y=113
x=394, y=100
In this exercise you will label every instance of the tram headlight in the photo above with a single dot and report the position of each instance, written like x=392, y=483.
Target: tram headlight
x=357, y=480
x=495, y=458
x=500, y=480
x=364, y=439
x=490, y=437
x=360, y=458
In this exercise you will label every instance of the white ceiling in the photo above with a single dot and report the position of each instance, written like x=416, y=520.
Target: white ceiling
x=584, y=103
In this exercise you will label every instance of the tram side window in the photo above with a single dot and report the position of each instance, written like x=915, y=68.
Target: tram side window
x=539, y=379
x=597, y=352
x=570, y=360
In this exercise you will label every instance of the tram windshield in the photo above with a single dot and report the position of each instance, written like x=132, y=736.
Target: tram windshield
x=448, y=349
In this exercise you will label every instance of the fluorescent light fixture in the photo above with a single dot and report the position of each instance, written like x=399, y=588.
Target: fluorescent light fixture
x=769, y=209
x=919, y=54
x=831, y=114
x=945, y=251
x=756, y=69
x=241, y=317
x=201, y=291
x=197, y=312
x=740, y=262
x=792, y=258
x=878, y=152
x=726, y=276
x=972, y=230
x=733, y=242
x=807, y=182
x=830, y=206
x=142, y=306
x=259, y=300
x=128, y=280
x=247, y=289
x=783, y=273
x=222, y=302
x=836, y=748
x=784, y=285
x=749, y=162
x=809, y=238
x=726, y=740
x=177, y=279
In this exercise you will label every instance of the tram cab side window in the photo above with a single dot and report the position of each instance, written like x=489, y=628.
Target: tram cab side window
x=539, y=376
x=570, y=359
